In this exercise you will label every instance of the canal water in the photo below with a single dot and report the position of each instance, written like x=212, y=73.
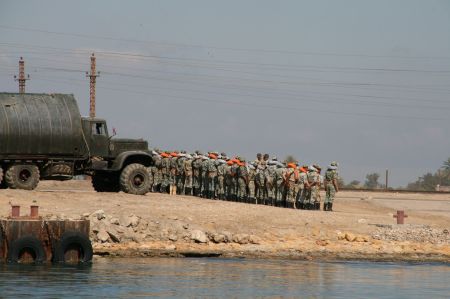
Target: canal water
x=225, y=278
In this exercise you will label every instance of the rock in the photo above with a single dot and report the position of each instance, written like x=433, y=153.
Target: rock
x=362, y=220
x=134, y=220
x=359, y=239
x=241, y=239
x=128, y=221
x=128, y=234
x=173, y=237
x=217, y=238
x=139, y=238
x=322, y=242
x=103, y=236
x=350, y=237
x=199, y=236
x=186, y=226
x=142, y=226
x=99, y=214
x=228, y=237
x=170, y=247
x=254, y=239
x=115, y=221
x=114, y=235
x=86, y=215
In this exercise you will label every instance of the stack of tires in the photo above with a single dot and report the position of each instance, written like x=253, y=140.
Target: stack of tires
x=32, y=249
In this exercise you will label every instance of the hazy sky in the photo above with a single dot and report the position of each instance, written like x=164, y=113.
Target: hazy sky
x=365, y=83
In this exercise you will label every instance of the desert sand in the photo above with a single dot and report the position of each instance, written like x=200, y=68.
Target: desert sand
x=361, y=227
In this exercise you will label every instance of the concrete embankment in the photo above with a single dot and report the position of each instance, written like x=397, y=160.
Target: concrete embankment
x=361, y=227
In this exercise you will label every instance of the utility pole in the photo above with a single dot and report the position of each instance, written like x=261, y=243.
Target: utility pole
x=92, y=76
x=387, y=179
x=21, y=78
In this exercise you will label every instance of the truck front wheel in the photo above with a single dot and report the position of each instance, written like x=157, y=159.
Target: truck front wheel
x=135, y=179
x=22, y=176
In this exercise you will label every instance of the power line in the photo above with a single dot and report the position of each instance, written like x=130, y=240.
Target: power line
x=172, y=44
x=278, y=93
x=197, y=99
x=232, y=62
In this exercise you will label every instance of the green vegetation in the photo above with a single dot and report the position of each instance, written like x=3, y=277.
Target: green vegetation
x=429, y=181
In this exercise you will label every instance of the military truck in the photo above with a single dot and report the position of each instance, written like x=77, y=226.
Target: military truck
x=44, y=137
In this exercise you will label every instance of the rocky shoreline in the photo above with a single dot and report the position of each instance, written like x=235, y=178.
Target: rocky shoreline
x=361, y=227
x=132, y=236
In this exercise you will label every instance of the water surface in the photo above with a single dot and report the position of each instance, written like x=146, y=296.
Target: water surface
x=226, y=278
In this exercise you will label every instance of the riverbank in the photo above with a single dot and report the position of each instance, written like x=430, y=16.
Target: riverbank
x=361, y=227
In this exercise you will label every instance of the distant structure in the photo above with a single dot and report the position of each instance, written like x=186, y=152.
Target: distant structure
x=93, y=77
x=21, y=78
x=440, y=188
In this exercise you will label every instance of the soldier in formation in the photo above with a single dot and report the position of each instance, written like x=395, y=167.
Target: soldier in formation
x=263, y=181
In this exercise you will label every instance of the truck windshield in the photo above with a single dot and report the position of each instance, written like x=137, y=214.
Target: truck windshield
x=98, y=129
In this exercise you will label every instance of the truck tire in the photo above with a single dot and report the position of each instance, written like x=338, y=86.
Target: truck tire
x=106, y=182
x=2, y=181
x=22, y=176
x=72, y=240
x=28, y=244
x=135, y=179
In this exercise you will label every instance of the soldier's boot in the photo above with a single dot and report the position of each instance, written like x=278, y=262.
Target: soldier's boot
x=187, y=191
x=325, y=206
x=301, y=206
x=330, y=207
x=317, y=206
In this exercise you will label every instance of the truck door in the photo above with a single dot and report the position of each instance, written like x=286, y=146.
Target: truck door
x=99, y=139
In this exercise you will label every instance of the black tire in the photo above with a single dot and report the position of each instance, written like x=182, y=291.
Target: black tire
x=22, y=176
x=106, y=182
x=135, y=179
x=29, y=244
x=2, y=181
x=71, y=240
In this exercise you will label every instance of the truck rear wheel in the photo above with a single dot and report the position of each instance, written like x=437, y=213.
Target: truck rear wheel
x=106, y=182
x=22, y=176
x=2, y=181
x=135, y=179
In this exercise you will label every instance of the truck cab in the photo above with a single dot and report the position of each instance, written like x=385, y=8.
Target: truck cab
x=96, y=135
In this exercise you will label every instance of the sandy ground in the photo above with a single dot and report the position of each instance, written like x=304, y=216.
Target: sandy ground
x=276, y=232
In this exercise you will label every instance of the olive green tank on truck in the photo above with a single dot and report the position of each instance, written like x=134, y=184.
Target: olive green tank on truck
x=43, y=136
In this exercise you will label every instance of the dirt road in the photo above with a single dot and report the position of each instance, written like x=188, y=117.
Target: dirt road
x=361, y=227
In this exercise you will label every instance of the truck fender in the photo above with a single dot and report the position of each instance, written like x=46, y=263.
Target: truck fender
x=126, y=158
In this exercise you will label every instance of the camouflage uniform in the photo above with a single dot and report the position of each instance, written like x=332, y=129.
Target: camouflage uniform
x=234, y=170
x=188, y=175
x=301, y=191
x=204, y=186
x=311, y=192
x=251, y=184
x=229, y=182
x=221, y=169
x=260, y=181
x=172, y=175
x=331, y=177
x=157, y=175
x=165, y=171
x=211, y=178
x=242, y=182
x=291, y=178
x=270, y=184
x=180, y=174
x=279, y=186
x=196, y=175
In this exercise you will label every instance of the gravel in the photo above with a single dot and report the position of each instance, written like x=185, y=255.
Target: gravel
x=413, y=233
